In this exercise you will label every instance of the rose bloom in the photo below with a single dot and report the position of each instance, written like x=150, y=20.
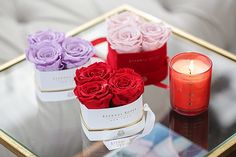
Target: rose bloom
x=94, y=94
x=98, y=69
x=46, y=56
x=47, y=35
x=125, y=39
x=155, y=35
x=122, y=19
x=77, y=52
x=126, y=86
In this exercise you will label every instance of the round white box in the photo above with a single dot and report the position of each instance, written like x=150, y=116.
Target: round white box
x=111, y=118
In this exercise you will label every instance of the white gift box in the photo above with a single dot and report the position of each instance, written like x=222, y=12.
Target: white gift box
x=48, y=81
x=117, y=122
x=129, y=132
x=111, y=118
x=50, y=89
x=55, y=96
x=114, y=133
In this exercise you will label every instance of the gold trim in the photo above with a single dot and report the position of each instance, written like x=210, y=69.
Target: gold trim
x=185, y=35
x=225, y=148
x=95, y=21
x=73, y=32
x=12, y=62
x=51, y=91
x=175, y=30
x=147, y=16
x=106, y=129
x=14, y=146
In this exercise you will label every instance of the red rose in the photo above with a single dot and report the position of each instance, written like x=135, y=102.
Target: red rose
x=99, y=69
x=95, y=94
x=126, y=86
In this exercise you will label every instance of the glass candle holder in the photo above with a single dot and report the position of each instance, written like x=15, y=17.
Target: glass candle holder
x=190, y=81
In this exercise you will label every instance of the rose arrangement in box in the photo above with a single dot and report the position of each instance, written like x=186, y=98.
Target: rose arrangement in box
x=111, y=102
x=128, y=33
x=56, y=59
x=98, y=86
x=138, y=44
x=52, y=51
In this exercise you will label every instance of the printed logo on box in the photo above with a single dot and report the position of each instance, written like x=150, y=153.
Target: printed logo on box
x=120, y=133
x=120, y=116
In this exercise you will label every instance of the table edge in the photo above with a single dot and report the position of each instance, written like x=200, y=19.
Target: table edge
x=14, y=146
x=225, y=147
x=143, y=14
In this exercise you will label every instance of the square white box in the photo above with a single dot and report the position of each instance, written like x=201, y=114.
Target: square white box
x=48, y=81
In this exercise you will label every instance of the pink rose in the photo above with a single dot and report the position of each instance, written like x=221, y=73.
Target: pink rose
x=125, y=39
x=155, y=35
x=123, y=18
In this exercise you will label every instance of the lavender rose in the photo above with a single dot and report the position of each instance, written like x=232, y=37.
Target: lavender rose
x=125, y=39
x=76, y=52
x=155, y=35
x=47, y=35
x=123, y=18
x=46, y=55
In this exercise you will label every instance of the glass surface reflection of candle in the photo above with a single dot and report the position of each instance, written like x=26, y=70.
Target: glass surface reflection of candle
x=193, y=128
x=190, y=81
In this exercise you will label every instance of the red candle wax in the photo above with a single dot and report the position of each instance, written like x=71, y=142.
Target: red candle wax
x=190, y=81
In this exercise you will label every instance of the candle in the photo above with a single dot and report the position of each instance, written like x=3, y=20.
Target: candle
x=193, y=66
x=190, y=79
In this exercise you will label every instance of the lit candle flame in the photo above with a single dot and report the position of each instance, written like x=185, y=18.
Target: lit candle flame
x=191, y=67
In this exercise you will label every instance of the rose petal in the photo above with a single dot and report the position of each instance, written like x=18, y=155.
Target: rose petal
x=76, y=52
x=46, y=54
x=126, y=39
x=126, y=86
x=155, y=35
x=47, y=35
x=94, y=94
x=123, y=18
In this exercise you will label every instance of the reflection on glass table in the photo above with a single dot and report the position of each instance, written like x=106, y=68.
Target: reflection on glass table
x=193, y=128
x=161, y=142
x=53, y=128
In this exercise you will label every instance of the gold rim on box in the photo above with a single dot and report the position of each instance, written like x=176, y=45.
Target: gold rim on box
x=114, y=128
x=226, y=147
x=49, y=91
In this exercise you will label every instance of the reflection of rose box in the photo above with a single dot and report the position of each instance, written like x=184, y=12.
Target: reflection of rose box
x=105, y=124
x=56, y=80
x=151, y=65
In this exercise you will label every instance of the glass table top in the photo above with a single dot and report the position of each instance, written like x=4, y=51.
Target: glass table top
x=51, y=129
